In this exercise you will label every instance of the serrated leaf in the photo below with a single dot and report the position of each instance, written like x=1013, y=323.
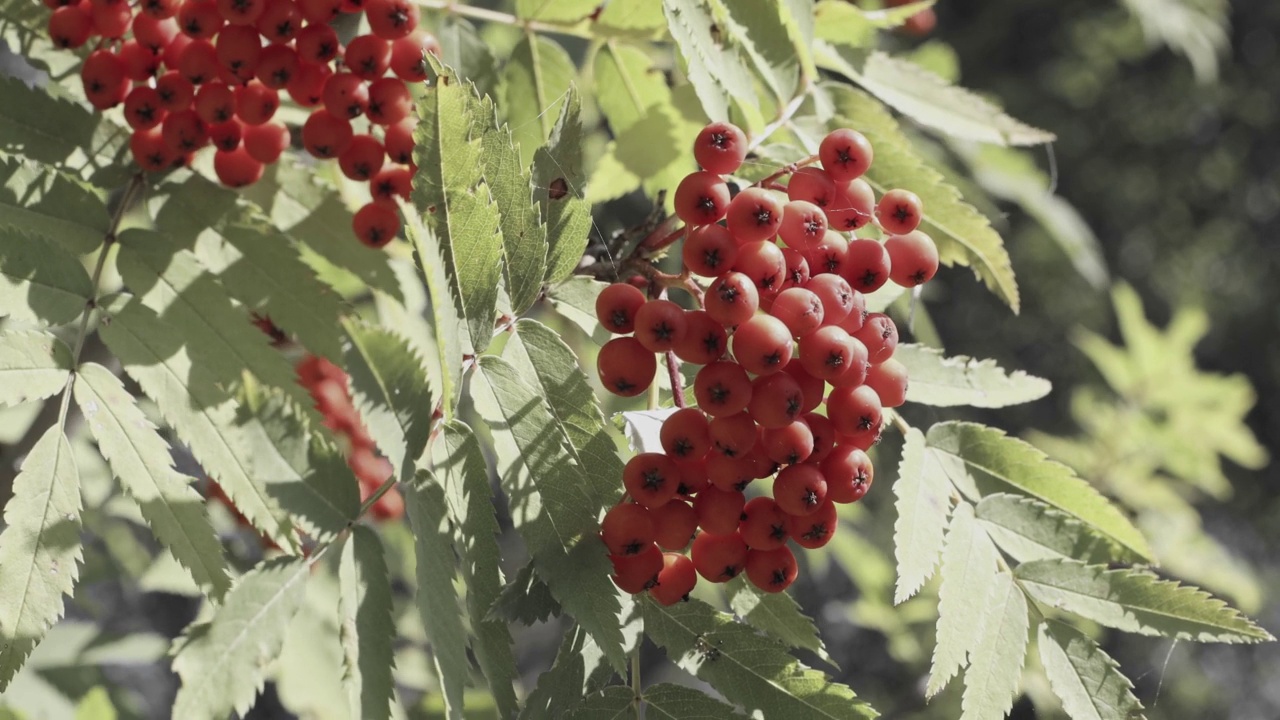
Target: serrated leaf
x=40, y=201
x=444, y=319
x=840, y=22
x=462, y=49
x=1028, y=530
x=559, y=184
x=717, y=73
x=759, y=29
x=367, y=628
x=1136, y=601
x=555, y=10
x=141, y=461
x=643, y=428
x=935, y=103
x=524, y=237
x=642, y=18
x=195, y=403
x=995, y=663
x=560, y=687
x=436, y=598
x=257, y=264
x=1087, y=680
x=678, y=702
x=547, y=364
x=922, y=503
x=1198, y=31
x=949, y=381
x=777, y=615
x=40, y=549
x=458, y=208
x=40, y=281
x=62, y=134
x=298, y=202
x=968, y=569
x=575, y=300
x=627, y=84
x=223, y=666
x=650, y=148
x=749, y=669
x=181, y=290
x=963, y=235
x=982, y=460
x=458, y=461
x=535, y=81
x=318, y=490
x=391, y=392
x=525, y=599
x=611, y=703
x=33, y=366
x=550, y=501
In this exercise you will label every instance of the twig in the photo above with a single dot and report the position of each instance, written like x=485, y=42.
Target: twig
x=495, y=16
x=783, y=118
x=677, y=383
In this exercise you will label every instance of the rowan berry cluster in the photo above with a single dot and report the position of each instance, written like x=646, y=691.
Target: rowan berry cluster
x=795, y=372
x=192, y=73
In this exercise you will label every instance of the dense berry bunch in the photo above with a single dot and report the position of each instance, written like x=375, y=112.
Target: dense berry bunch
x=795, y=373
x=194, y=73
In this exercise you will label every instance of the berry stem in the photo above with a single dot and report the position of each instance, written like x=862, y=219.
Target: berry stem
x=635, y=680
x=677, y=383
x=653, y=243
x=786, y=170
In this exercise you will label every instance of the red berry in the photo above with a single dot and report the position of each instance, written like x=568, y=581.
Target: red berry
x=236, y=168
x=200, y=19
x=852, y=207
x=175, y=91
x=868, y=265
x=398, y=139
x=762, y=345
x=720, y=148
x=704, y=341
x=722, y=388
x=762, y=261
x=154, y=33
x=789, y=444
x=811, y=388
x=732, y=299
x=828, y=256
x=368, y=56
x=639, y=572
x=241, y=12
x=675, y=525
x=280, y=21
x=160, y=9
x=733, y=435
x=362, y=159
x=693, y=477
x=625, y=367
x=719, y=510
x=772, y=570
x=215, y=102
x=389, y=101
x=266, y=142
x=709, y=250
x=718, y=558
x=239, y=47
x=800, y=489
x=729, y=473
x=184, y=131
x=813, y=185
x=391, y=183
x=150, y=151
x=142, y=108
x=627, y=529
x=391, y=19
x=845, y=154
x=754, y=214
x=803, y=224
x=764, y=524
x=849, y=473
x=256, y=103
x=800, y=310
x=324, y=135
x=914, y=258
x=685, y=435
x=277, y=65
x=889, y=380
x=675, y=580
x=776, y=400
x=836, y=296
x=651, y=479
x=659, y=325
x=701, y=198
x=317, y=44
x=306, y=87
x=824, y=436
x=110, y=17
x=827, y=352
x=377, y=223
x=854, y=410
x=616, y=307
x=318, y=12
x=899, y=212
x=408, y=60
x=198, y=62
x=70, y=26
x=105, y=79
x=880, y=335
x=797, y=271
x=814, y=530
x=226, y=135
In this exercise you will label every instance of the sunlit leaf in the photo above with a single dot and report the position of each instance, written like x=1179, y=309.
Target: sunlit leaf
x=368, y=630
x=923, y=502
x=40, y=281
x=33, y=366
x=995, y=663
x=947, y=381
x=1087, y=680
x=968, y=571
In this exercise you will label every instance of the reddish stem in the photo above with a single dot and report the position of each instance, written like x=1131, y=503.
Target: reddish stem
x=677, y=383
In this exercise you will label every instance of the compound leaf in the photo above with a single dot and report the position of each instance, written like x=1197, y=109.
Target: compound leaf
x=968, y=570
x=949, y=381
x=33, y=366
x=1087, y=680
x=40, y=281
x=995, y=663
x=923, y=501
x=367, y=628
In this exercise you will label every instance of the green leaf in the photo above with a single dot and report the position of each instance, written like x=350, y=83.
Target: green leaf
x=444, y=320
x=258, y=265
x=1197, y=31
x=551, y=503
x=33, y=366
x=96, y=705
x=298, y=202
x=178, y=287
x=555, y=10
x=560, y=687
x=678, y=702
x=436, y=598
x=982, y=461
x=525, y=599
x=459, y=209
x=547, y=364
x=949, y=381
x=643, y=18
x=196, y=404
x=995, y=663
x=40, y=549
x=524, y=237
x=462, y=49
x=1028, y=530
x=760, y=29
x=840, y=22
x=749, y=669
x=368, y=629
x=935, y=103
x=35, y=200
x=612, y=703
x=777, y=615
x=963, y=235
x=649, y=152
x=575, y=300
x=1136, y=601
x=391, y=392
x=559, y=184
x=39, y=281
x=627, y=83
x=458, y=461
x=923, y=502
x=223, y=664
x=140, y=459
x=1087, y=680
x=716, y=72
x=968, y=570
x=535, y=81
x=62, y=134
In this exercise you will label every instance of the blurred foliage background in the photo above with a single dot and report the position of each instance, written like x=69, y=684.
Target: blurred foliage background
x=1150, y=300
